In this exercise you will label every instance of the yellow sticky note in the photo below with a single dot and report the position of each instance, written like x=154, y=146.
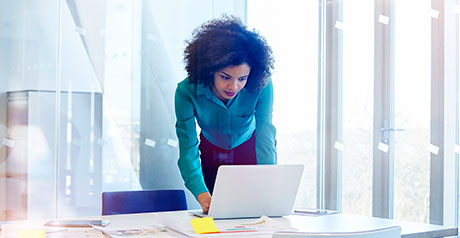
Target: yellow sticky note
x=32, y=233
x=204, y=225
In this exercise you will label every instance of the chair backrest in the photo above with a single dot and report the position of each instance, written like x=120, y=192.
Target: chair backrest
x=124, y=202
x=390, y=232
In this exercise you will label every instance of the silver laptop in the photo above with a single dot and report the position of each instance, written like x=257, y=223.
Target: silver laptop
x=243, y=191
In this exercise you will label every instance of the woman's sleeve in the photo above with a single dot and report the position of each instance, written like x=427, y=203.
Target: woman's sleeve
x=265, y=131
x=189, y=157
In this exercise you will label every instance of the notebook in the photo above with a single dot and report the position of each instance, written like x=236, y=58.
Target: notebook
x=246, y=191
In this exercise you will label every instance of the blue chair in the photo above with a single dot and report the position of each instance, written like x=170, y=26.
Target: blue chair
x=124, y=202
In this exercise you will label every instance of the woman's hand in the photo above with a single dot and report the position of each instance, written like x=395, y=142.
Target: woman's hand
x=205, y=200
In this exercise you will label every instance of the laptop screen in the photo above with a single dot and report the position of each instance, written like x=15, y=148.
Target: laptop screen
x=254, y=190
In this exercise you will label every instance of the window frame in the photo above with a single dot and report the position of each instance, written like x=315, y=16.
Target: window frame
x=444, y=177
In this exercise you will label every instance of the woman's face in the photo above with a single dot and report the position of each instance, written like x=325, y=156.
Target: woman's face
x=230, y=80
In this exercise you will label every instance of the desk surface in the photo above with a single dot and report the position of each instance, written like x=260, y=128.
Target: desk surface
x=309, y=223
x=324, y=223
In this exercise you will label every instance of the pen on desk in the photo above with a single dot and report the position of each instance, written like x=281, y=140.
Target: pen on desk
x=311, y=211
x=307, y=211
x=177, y=231
x=98, y=228
x=55, y=231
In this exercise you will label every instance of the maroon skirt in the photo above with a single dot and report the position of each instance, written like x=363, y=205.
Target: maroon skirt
x=212, y=157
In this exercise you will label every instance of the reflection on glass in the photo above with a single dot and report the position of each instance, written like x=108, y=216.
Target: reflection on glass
x=119, y=137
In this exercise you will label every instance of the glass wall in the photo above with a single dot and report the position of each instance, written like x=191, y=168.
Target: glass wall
x=87, y=92
x=29, y=75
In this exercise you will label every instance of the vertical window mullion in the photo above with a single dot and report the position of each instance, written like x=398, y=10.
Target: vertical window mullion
x=321, y=104
x=450, y=168
x=383, y=166
x=437, y=115
x=330, y=119
x=444, y=165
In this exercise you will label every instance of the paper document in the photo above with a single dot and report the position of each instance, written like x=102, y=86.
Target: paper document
x=144, y=232
x=225, y=227
x=15, y=230
x=263, y=224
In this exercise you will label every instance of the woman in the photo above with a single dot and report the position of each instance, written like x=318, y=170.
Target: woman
x=229, y=94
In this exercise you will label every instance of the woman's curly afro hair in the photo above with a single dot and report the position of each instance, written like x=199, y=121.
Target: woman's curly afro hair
x=224, y=42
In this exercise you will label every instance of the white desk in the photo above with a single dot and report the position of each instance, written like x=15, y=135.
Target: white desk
x=325, y=223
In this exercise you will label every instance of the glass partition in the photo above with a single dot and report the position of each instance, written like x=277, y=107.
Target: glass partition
x=29, y=68
x=86, y=100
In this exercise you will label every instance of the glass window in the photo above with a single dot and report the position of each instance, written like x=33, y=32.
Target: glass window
x=358, y=107
x=412, y=110
x=291, y=28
